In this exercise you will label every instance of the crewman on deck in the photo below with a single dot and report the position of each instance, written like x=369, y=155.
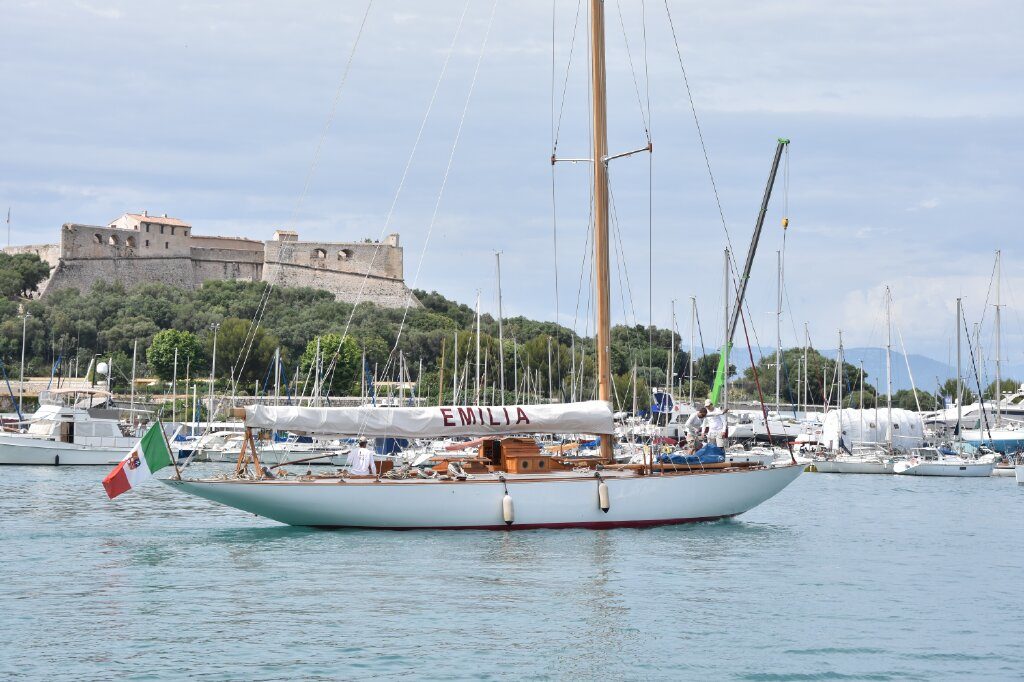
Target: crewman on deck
x=716, y=427
x=694, y=425
x=362, y=461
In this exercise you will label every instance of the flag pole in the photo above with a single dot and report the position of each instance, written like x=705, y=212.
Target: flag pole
x=174, y=457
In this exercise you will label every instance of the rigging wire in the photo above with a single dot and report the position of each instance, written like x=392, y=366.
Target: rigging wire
x=447, y=172
x=632, y=70
x=265, y=298
x=401, y=184
x=555, y=131
x=707, y=162
x=565, y=84
x=700, y=133
x=977, y=379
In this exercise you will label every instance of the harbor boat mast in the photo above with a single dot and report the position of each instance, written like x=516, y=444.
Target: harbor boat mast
x=959, y=380
x=778, y=334
x=693, y=324
x=602, y=280
x=999, y=375
x=888, y=368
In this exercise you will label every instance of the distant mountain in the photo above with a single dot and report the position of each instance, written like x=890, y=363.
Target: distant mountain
x=927, y=371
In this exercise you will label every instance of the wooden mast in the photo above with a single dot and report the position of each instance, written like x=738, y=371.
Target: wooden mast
x=600, y=165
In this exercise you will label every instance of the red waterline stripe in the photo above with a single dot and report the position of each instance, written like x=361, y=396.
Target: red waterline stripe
x=590, y=525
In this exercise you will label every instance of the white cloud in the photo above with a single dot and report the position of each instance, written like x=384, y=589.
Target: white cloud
x=894, y=109
x=102, y=12
x=925, y=205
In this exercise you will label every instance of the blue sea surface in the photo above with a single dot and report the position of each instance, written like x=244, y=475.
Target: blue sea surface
x=837, y=578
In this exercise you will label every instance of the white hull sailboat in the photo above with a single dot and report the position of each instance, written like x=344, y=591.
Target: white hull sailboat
x=1004, y=471
x=504, y=489
x=953, y=466
x=555, y=500
x=854, y=464
x=963, y=460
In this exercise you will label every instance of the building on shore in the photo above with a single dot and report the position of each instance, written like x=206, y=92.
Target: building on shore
x=139, y=248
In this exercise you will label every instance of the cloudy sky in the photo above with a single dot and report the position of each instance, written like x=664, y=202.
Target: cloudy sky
x=905, y=166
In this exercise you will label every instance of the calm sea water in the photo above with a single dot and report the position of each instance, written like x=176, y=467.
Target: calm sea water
x=852, y=577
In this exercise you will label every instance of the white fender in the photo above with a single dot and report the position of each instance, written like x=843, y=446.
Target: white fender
x=508, y=511
x=602, y=497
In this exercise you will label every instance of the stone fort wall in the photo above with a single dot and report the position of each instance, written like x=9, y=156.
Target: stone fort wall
x=140, y=249
x=353, y=272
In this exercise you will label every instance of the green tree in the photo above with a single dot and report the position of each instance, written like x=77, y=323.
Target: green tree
x=623, y=393
x=904, y=399
x=21, y=274
x=345, y=356
x=700, y=390
x=706, y=366
x=32, y=270
x=160, y=354
x=948, y=390
x=10, y=283
x=242, y=353
x=122, y=334
x=853, y=398
x=1008, y=386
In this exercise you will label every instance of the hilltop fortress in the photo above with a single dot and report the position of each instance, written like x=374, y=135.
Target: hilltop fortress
x=140, y=248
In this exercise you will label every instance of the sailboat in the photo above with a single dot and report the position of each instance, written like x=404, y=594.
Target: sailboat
x=962, y=459
x=511, y=484
x=867, y=455
x=1004, y=436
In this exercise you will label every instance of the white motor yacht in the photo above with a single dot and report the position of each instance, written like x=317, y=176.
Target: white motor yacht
x=71, y=426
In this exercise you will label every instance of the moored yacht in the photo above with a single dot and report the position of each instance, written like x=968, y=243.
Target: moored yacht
x=943, y=462
x=71, y=426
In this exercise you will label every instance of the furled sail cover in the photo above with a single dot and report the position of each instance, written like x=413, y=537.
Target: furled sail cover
x=594, y=416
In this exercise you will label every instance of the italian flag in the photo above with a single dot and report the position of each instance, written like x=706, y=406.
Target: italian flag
x=146, y=458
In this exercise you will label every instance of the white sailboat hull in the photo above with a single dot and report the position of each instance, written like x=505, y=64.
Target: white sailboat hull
x=37, y=451
x=1019, y=472
x=831, y=466
x=1003, y=472
x=551, y=502
x=961, y=470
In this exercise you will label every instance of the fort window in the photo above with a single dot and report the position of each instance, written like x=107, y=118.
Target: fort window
x=186, y=233
x=97, y=239
x=147, y=243
x=167, y=245
x=319, y=254
x=146, y=225
x=130, y=241
x=345, y=254
x=112, y=240
x=161, y=229
x=172, y=230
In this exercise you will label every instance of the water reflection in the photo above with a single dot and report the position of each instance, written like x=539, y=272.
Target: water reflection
x=812, y=584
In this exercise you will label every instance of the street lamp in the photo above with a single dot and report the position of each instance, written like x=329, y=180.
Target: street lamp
x=21, y=393
x=213, y=368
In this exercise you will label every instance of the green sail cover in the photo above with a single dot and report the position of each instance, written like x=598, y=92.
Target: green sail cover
x=723, y=360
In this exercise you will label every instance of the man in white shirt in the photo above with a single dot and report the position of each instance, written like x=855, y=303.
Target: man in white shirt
x=694, y=425
x=362, y=461
x=716, y=427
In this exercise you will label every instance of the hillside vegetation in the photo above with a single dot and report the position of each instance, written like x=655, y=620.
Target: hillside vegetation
x=74, y=327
